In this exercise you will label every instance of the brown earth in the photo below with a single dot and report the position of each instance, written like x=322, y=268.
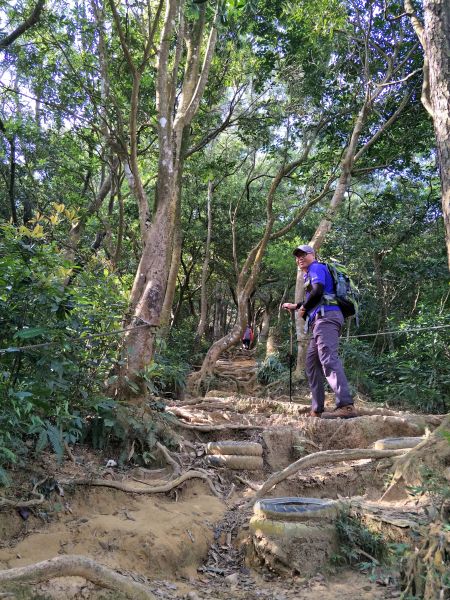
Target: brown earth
x=189, y=543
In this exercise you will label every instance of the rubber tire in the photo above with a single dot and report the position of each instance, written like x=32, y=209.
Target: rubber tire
x=287, y=546
x=288, y=529
x=296, y=509
x=238, y=463
x=397, y=443
x=234, y=448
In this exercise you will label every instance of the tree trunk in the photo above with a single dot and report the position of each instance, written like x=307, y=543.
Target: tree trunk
x=177, y=234
x=263, y=334
x=301, y=335
x=150, y=283
x=203, y=293
x=175, y=114
x=271, y=345
x=173, y=274
x=218, y=306
x=437, y=49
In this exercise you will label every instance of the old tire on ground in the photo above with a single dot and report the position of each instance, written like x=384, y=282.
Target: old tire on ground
x=288, y=547
x=288, y=529
x=296, y=509
x=230, y=461
x=397, y=443
x=234, y=448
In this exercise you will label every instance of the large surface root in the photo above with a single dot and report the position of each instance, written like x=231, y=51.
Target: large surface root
x=77, y=566
x=427, y=568
x=322, y=458
x=433, y=454
x=124, y=486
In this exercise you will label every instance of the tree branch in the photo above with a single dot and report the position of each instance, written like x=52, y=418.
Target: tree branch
x=27, y=24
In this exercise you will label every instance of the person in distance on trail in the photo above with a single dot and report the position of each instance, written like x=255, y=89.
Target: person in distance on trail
x=325, y=321
x=247, y=338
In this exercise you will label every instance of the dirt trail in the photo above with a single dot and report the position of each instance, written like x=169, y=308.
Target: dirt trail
x=189, y=543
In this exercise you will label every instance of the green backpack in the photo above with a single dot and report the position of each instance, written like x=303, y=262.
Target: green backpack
x=346, y=294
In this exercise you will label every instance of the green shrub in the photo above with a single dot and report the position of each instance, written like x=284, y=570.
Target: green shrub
x=166, y=374
x=126, y=432
x=270, y=370
x=415, y=375
x=45, y=389
x=357, y=543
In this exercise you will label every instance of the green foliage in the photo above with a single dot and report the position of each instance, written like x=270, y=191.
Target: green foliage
x=164, y=377
x=66, y=431
x=45, y=388
x=129, y=434
x=103, y=425
x=166, y=374
x=356, y=541
x=436, y=486
x=415, y=374
x=270, y=370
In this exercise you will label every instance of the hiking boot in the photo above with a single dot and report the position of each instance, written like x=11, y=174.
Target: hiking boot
x=315, y=414
x=341, y=412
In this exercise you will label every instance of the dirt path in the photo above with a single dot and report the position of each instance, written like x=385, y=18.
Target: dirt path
x=189, y=543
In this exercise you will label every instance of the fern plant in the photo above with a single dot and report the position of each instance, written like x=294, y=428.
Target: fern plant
x=356, y=541
x=270, y=370
x=55, y=435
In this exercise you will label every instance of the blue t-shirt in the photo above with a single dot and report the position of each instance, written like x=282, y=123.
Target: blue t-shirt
x=319, y=273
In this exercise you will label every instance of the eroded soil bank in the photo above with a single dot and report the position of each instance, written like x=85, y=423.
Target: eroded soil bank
x=190, y=543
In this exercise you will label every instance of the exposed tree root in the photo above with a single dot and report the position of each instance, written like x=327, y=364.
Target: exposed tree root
x=428, y=566
x=165, y=452
x=181, y=411
x=77, y=566
x=431, y=420
x=25, y=503
x=433, y=452
x=21, y=503
x=250, y=484
x=132, y=489
x=322, y=458
x=208, y=428
x=301, y=440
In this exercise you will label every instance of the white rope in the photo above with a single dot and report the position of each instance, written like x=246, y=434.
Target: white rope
x=78, y=340
x=397, y=331
x=120, y=331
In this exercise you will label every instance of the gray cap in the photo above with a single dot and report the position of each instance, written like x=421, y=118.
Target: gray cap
x=306, y=249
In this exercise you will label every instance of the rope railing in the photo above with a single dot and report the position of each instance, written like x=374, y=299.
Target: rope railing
x=79, y=340
x=91, y=336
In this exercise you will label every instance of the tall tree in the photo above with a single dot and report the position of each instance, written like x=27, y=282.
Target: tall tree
x=434, y=36
x=175, y=112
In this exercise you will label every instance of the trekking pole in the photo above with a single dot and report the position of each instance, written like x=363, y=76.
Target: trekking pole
x=291, y=348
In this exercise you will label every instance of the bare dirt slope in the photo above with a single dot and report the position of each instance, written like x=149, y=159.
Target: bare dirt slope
x=191, y=542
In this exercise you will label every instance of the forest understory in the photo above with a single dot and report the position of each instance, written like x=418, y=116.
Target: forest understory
x=180, y=529
x=178, y=178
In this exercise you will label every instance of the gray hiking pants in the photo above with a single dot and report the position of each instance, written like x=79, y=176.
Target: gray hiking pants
x=322, y=360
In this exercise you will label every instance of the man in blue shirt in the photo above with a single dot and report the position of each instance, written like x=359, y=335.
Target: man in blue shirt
x=325, y=320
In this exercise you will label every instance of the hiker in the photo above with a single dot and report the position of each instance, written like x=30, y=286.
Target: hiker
x=325, y=322
x=247, y=338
